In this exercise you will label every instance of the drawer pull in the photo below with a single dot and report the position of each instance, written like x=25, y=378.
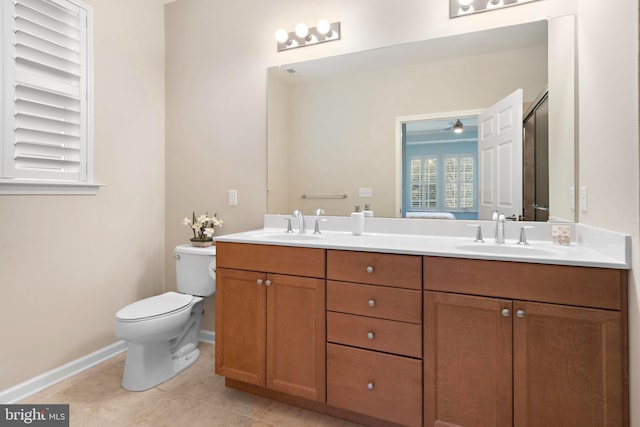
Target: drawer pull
x=370, y=269
x=370, y=335
x=520, y=313
x=372, y=303
x=369, y=386
x=506, y=312
x=268, y=283
x=259, y=282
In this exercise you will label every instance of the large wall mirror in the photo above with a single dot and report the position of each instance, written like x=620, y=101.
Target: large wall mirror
x=335, y=125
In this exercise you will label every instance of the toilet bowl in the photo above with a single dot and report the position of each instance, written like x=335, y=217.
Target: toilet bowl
x=162, y=332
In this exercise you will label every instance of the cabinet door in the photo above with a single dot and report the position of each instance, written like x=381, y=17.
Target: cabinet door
x=467, y=361
x=568, y=366
x=296, y=336
x=241, y=325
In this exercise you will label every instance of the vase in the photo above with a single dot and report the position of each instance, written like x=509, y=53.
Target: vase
x=202, y=243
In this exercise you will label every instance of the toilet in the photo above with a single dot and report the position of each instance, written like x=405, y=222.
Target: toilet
x=162, y=332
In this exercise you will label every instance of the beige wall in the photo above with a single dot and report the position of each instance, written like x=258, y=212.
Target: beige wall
x=608, y=155
x=68, y=263
x=218, y=53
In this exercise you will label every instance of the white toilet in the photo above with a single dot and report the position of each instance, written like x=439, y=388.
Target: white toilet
x=162, y=332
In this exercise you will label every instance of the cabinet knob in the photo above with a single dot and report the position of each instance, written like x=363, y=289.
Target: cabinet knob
x=520, y=313
x=370, y=269
x=506, y=312
x=259, y=282
x=372, y=303
x=370, y=335
x=268, y=283
x=370, y=386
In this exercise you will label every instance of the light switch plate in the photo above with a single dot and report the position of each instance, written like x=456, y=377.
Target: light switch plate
x=365, y=192
x=233, y=198
x=583, y=199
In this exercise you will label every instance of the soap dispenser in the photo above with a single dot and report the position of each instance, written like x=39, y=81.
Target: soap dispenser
x=357, y=221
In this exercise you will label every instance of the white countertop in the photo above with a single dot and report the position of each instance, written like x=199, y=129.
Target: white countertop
x=586, y=253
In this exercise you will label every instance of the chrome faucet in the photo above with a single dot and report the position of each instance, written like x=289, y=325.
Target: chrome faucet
x=302, y=227
x=500, y=220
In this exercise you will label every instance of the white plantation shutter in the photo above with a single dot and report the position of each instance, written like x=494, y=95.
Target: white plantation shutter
x=46, y=120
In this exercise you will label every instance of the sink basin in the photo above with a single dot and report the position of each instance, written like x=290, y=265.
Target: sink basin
x=505, y=250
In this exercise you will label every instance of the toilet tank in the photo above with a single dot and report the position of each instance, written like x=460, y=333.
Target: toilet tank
x=196, y=270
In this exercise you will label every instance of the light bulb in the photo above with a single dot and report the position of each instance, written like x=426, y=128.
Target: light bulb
x=282, y=36
x=302, y=31
x=324, y=27
x=458, y=127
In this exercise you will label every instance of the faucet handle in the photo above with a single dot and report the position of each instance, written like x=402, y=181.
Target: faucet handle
x=289, y=228
x=478, y=238
x=319, y=211
x=316, y=229
x=523, y=235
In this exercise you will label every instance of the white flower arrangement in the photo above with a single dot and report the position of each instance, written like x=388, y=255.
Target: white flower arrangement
x=203, y=227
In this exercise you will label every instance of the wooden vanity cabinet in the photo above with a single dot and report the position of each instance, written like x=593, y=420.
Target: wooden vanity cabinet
x=515, y=344
x=391, y=339
x=374, y=335
x=270, y=317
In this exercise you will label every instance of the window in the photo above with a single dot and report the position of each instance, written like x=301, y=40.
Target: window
x=47, y=135
x=459, y=182
x=443, y=182
x=424, y=182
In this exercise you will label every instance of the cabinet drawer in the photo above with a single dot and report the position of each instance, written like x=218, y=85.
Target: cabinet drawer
x=375, y=334
x=381, y=385
x=558, y=284
x=375, y=301
x=402, y=271
x=289, y=260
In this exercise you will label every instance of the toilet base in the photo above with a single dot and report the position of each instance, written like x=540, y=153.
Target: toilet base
x=151, y=363
x=148, y=365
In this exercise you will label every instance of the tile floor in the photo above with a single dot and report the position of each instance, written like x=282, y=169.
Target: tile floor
x=196, y=397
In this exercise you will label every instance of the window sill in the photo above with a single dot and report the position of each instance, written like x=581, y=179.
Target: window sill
x=12, y=186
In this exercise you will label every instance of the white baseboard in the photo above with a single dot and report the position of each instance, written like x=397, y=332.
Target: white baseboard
x=208, y=336
x=36, y=384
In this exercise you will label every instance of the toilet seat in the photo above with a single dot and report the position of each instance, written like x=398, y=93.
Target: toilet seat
x=156, y=306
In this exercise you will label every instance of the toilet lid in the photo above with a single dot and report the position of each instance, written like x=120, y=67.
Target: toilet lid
x=158, y=305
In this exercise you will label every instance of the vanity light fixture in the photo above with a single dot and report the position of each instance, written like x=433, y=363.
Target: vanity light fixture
x=466, y=7
x=324, y=31
x=458, y=127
